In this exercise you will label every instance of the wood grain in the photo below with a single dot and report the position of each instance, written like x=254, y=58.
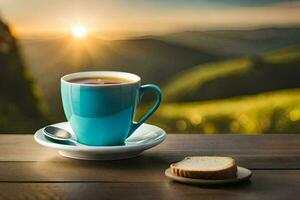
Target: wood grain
x=265, y=184
x=24, y=148
x=147, y=168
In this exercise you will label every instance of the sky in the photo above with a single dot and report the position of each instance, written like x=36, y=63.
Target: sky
x=146, y=16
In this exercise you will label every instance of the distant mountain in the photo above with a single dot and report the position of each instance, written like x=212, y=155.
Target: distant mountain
x=154, y=60
x=20, y=109
x=236, y=43
x=250, y=75
x=141, y=56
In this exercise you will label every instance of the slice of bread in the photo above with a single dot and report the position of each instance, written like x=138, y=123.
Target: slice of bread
x=205, y=167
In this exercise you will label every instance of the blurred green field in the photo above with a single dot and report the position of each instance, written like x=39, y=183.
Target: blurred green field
x=188, y=83
x=283, y=56
x=248, y=95
x=249, y=75
x=271, y=112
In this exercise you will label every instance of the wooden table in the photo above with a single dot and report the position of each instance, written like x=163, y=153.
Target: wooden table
x=30, y=171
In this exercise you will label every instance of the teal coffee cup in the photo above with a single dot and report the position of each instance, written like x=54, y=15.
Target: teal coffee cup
x=102, y=113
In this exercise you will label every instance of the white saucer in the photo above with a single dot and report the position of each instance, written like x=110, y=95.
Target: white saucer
x=145, y=137
x=243, y=174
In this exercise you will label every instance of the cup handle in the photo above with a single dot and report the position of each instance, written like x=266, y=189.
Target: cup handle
x=143, y=89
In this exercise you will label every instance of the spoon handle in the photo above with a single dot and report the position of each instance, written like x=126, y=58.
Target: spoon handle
x=76, y=143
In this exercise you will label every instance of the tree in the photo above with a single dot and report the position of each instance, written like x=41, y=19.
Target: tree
x=20, y=108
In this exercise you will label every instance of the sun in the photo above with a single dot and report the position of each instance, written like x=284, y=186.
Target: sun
x=79, y=31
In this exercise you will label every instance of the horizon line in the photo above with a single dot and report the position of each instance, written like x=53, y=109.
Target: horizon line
x=126, y=34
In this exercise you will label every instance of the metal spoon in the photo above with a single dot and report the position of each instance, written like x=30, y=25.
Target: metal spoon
x=59, y=135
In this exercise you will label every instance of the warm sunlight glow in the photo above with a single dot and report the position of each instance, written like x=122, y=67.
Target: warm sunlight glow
x=79, y=31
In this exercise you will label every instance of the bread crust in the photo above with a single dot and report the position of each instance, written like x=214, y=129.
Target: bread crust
x=225, y=173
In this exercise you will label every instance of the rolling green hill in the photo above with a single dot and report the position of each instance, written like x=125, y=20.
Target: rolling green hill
x=277, y=70
x=271, y=112
x=237, y=43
